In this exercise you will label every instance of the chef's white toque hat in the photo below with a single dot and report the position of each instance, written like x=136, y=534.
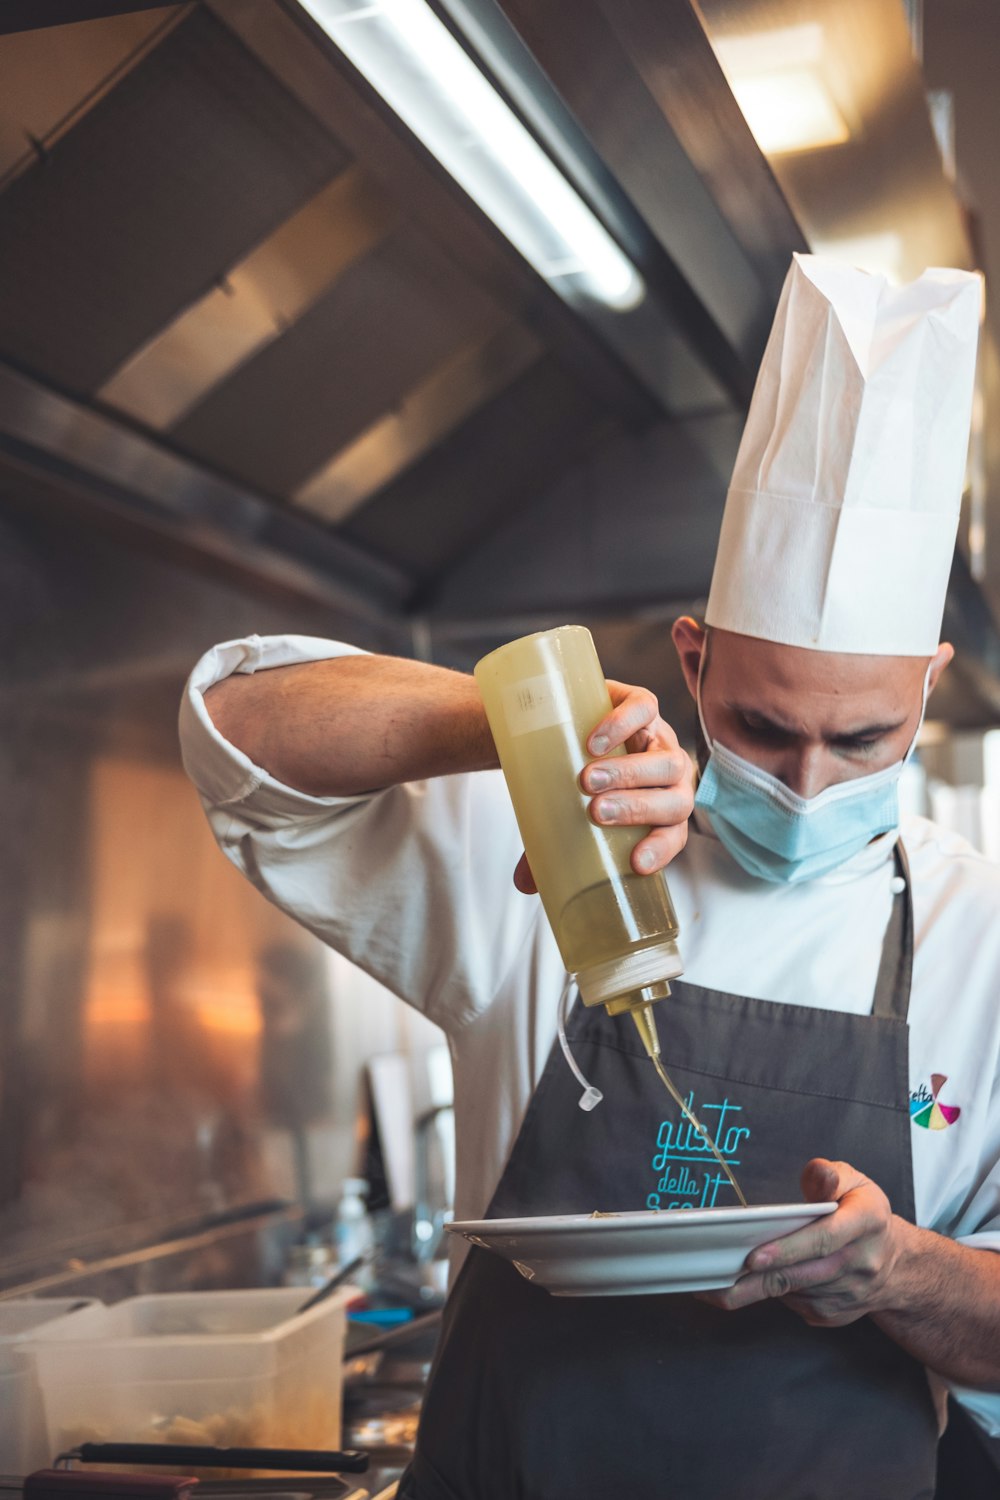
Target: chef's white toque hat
x=840, y=521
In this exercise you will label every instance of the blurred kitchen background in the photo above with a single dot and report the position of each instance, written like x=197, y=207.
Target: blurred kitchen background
x=265, y=366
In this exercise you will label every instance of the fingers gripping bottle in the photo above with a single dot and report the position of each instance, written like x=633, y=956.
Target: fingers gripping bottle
x=616, y=930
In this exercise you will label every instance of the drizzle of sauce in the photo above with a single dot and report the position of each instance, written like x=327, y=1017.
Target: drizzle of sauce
x=686, y=1110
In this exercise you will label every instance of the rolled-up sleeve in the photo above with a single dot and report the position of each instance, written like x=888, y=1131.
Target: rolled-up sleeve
x=413, y=883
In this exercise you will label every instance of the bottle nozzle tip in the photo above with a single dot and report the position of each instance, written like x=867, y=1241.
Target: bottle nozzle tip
x=645, y=1023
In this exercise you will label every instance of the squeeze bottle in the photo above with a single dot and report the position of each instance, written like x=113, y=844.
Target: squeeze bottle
x=616, y=931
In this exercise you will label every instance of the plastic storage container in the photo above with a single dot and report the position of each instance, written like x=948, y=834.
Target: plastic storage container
x=225, y=1368
x=23, y=1441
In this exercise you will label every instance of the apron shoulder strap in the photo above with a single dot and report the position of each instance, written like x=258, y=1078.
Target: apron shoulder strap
x=895, y=973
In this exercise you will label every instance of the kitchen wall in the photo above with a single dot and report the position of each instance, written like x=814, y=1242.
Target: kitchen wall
x=956, y=781
x=172, y=1049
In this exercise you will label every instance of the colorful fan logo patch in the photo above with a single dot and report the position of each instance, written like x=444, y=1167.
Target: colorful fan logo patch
x=926, y=1109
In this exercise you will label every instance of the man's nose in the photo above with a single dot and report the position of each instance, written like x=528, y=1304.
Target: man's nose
x=805, y=771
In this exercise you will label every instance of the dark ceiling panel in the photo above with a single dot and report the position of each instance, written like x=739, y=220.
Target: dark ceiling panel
x=501, y=459
x=633, y=524
x=132, y=480
x=29, y=15
x=176, y=173
x=386, y=323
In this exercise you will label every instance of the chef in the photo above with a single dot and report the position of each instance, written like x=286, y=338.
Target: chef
x=838, y=1022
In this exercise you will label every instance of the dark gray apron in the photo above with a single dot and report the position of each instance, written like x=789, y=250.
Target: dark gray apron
x=534, y=1397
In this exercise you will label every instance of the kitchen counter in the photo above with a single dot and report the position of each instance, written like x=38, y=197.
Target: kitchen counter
x=384, y=1382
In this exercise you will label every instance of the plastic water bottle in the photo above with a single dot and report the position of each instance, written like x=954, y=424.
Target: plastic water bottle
x=353, y=1232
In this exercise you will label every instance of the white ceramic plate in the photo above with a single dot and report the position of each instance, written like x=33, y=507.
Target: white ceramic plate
x=630, y=1254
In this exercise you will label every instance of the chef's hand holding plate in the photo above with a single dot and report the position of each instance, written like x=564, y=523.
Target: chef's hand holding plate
x=836, y=1270
x=650, y=787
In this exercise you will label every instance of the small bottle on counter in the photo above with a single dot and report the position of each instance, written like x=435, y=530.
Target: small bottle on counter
x=309, y=1265
x=353, y=1234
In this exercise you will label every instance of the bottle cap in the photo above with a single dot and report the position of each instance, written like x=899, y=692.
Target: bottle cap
x=600, y=983
x=310, y=1255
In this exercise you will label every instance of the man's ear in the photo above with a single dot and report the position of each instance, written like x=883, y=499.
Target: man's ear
x=943, y=656
x=690, y=640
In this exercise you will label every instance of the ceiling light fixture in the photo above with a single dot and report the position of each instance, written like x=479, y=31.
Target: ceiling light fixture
x=882, y=254
x=411, y=58
x=790, y=110
x=779, y=82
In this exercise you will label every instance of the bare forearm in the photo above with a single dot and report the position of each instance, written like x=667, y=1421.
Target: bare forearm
x=945, y=1307
x=355, y=723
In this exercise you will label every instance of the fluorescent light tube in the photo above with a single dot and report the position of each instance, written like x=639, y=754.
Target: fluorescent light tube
x=411, y=58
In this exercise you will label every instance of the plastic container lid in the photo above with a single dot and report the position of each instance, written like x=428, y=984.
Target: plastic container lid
x=23, y=1318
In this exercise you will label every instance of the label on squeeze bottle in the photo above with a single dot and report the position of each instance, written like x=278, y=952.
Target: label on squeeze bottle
x=536, y=703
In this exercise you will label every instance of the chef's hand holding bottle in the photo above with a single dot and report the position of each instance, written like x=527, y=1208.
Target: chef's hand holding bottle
x=652, y=786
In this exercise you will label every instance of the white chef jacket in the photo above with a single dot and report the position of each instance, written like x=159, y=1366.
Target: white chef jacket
x=413, y=884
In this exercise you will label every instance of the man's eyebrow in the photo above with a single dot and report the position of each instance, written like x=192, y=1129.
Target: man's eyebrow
x=754, y=715
x=868, y=732
x=845, y=736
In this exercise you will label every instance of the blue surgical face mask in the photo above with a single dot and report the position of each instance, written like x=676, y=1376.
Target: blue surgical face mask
x=777, y=835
